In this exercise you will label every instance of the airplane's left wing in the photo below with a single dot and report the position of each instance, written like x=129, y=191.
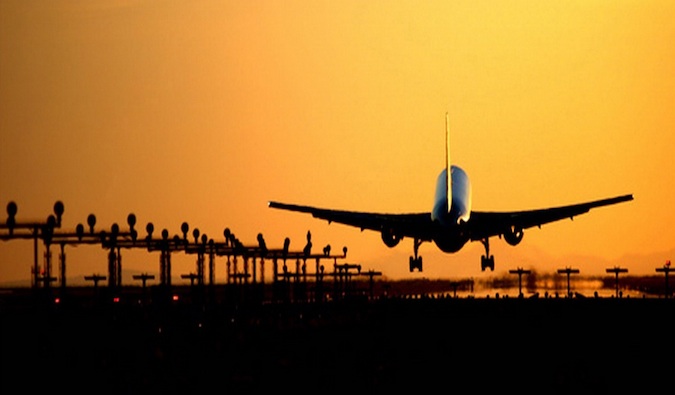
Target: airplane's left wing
x=415, y=225
x=487, y=224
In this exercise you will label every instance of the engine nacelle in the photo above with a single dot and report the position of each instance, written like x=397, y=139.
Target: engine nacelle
x=390, y=238
x=513, y=236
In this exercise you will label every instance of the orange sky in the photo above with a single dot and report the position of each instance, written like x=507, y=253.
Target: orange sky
x=202, y=111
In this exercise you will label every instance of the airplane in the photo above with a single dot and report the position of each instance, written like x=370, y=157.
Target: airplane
x=452, y=222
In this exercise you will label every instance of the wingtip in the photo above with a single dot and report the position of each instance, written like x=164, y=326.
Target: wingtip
x=273, y=204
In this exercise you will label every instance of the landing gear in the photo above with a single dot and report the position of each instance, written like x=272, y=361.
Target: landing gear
x=487, y=260
x=416, y=261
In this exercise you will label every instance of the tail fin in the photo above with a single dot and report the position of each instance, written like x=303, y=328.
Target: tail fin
x=448, y=163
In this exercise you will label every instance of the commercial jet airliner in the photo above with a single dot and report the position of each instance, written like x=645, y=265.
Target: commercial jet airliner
x=452, y=223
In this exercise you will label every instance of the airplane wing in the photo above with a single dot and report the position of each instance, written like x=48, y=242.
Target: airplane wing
x=481, y=224
x=415, y=225
x=487, y=224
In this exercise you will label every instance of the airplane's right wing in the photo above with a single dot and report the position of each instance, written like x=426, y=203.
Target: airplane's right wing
x=416, y=225
x=487, y=224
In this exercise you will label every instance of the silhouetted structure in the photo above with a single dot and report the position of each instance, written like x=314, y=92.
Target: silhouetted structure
x=95, y=278
x=616, y=270
x=34, y=230
x=568, y=271
x=297, y=281
x=143, y=277
x=665, y=270
x=115, y=240
x=371, y=282
x=520, y=271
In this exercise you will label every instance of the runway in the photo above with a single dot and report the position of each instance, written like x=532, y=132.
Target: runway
x=453, y=345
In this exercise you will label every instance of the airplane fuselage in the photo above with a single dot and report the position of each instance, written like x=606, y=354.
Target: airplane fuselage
x=450, y=235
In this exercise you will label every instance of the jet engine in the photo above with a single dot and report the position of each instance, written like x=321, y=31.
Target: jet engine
x=390, y=238
x=513, y=235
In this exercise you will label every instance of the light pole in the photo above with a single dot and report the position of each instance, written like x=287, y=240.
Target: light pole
x=520, y=273
x=568, y=271
x=666, y=269
x=616, y=270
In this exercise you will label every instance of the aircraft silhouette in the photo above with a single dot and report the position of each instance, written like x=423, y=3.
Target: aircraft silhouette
x=451, y=226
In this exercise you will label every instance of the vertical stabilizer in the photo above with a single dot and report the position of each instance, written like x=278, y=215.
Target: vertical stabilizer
x=448, y=163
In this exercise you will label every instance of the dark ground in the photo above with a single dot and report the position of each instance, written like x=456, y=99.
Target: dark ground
x=558, y=346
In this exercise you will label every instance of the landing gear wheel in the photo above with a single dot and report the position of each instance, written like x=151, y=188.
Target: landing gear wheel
x=487, y=262
x=416, y=260
x=415, y=263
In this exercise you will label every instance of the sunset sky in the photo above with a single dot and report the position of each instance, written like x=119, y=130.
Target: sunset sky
x=203, y=111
